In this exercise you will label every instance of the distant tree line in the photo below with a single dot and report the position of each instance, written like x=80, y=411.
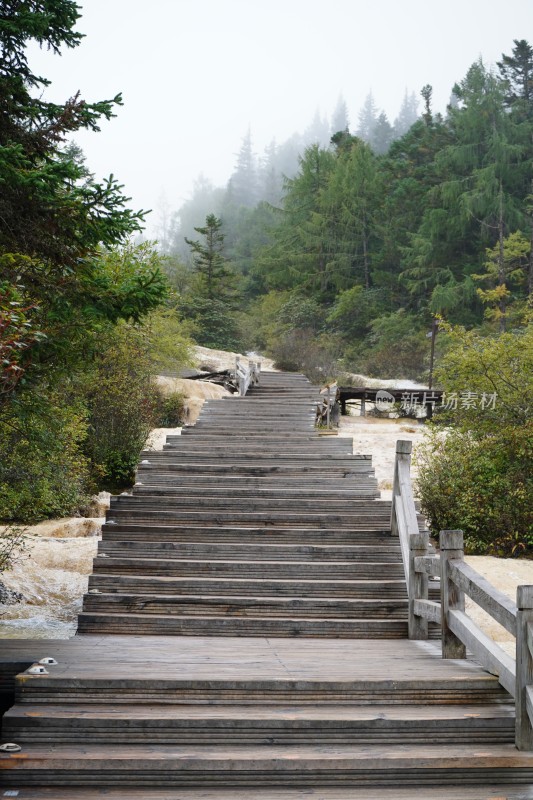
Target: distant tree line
x=377, y=231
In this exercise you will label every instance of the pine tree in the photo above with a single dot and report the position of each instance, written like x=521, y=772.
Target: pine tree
x=340, y=120
x=367, y=118
x=407, y=115
x=208, y=258
x=382, y=134
x=517, y=72
x=54, y=216
x=317, y=132
x=244, y=177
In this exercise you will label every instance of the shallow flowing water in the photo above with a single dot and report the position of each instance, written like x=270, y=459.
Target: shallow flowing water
x=52, y=577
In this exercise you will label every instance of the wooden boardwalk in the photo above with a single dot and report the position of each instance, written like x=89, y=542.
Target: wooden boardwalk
x=244, y=636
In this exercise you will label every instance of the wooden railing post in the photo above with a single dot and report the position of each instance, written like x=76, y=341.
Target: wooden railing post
x=451, y=597
x=418, y=585
x=524, y=668
x=237, y=374
x=403, y=454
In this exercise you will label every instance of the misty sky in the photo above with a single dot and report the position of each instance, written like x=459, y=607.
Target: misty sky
x=196, y=73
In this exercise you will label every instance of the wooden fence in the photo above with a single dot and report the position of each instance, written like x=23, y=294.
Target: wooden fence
x=457, y=579
x=246, y=376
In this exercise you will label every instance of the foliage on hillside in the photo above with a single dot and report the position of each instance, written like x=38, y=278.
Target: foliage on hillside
x=372, y=241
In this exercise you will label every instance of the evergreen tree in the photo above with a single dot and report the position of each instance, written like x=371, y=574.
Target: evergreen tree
x=340, y=120
x=54, y=216
x=243, y=191
x=479, y=198
x=517, y=72
x=317, y=132
x=349, y=205
x=204, y=197
x=427, y=94
x=382, y=134
x=367, y=118
x=210, y=302
x=208, y=258
x=407, y=115
x=298, y=256
x=271, y=180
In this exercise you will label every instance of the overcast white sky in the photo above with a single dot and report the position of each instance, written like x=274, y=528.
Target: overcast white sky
x=196, y=73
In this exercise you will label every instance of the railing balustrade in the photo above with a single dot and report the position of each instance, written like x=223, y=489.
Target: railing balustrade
x=459, y=632
x=246, y=376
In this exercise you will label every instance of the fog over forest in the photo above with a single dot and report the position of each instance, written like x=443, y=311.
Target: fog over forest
x=196, y=77
x=260, y=177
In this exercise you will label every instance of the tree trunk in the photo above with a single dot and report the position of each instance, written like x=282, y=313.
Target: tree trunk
x=501, y=262
x=530, y=275
x=365, y=256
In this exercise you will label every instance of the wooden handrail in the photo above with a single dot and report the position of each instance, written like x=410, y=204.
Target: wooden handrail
x=457, y=579
x=246, y=376
x=404, y=524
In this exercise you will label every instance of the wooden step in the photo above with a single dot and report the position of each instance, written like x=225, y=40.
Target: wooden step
x=279, y=519
x=411, y=792
x=243, y=587
x=273, y=765
x=249, y=607
x=240, y=670
x=227, y=625
x=241, y=725
x=113, y=531
x=236, y=490
x=314, y=470
x=246, y=569
x=207, y=501
x=245, y=440
x=344, y=483
x=235, y=551
x=91, y=683
x=324, y=460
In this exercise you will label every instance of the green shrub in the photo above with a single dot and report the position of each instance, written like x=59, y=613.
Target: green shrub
x=168, y=340
x=13, y=541
x=301, y=350
x=481, y=486
x=171, y=410
x=121, y=401
x=396, y=347
x=475, y=474
x=43, y=473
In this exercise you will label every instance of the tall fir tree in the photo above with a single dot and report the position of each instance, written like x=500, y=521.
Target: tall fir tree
x=407, y=115
x=517, y=72
x=340, y=120
x=244, y=179
x=367, y=118
x=208, y=258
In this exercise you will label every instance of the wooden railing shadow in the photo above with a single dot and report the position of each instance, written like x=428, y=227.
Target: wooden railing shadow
x=457, y=579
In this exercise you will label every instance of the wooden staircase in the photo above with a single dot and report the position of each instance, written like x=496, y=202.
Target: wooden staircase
x=245, y=636
x=251, y=524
